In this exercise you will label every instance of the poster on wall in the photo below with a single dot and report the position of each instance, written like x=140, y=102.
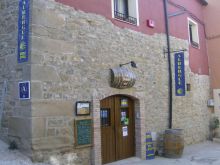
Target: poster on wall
x=125, y=131
x=23, y=31
x=179, y=74
x=82, y=108
x=24, y=90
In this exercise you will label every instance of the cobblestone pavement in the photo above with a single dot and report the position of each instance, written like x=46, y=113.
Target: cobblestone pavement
x=13, y=157
x=207, y=153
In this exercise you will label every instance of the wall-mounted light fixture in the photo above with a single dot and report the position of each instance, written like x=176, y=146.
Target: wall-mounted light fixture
x=188, y=87
x=133, y=64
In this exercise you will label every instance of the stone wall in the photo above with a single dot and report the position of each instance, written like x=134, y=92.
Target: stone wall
x=15, y=117
x=72, y=53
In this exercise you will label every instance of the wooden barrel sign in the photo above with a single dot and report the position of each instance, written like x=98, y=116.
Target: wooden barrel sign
x=173, y=143
x=122, y=78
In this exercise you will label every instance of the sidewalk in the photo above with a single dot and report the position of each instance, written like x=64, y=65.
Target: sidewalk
x=207, y=153
x=13, y=157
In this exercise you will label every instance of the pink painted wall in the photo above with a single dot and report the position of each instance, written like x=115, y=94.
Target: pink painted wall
x=212, y=22
x=179, y=28
x=153, y=9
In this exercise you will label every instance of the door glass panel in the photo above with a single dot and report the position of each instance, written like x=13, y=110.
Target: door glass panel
x=105, y=117
x=124, y=116
x=124, y=102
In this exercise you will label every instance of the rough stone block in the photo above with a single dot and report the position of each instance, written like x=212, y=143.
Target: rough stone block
x=44, y=73
x=38, y=127
x=36, y=90
x=19, y=127
x=51, y=143
x=52, y=108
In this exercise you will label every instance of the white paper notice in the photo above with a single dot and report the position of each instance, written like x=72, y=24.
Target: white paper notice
x=125, y=131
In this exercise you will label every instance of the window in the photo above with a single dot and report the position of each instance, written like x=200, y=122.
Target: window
x=105, y=117
x=126, y=10
x=193, y=33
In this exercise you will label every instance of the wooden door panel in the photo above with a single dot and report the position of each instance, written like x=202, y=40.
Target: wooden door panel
x=108, y=132
x=115, y=146
x=124, y=144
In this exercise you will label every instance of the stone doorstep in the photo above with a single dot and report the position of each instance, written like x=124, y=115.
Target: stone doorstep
x=216, y=140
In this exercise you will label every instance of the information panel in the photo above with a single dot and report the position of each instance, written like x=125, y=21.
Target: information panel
x=179, y=74
x=23, y=31
x=24, y=90
x=83, y=132
x=149, y=147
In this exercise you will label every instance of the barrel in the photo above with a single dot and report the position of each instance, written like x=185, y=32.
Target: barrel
x=173, y=143
x=122, y=78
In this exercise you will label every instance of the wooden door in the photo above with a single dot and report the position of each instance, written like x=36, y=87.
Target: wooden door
x=117, y=128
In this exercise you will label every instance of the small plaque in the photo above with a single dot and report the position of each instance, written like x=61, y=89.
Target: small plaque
x=82, y=108
x=24, y=90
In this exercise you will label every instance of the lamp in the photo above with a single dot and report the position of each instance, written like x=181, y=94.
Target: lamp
x=133, y=64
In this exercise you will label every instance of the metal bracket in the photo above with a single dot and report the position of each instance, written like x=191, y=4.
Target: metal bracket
x=177, y=13
x=173, y=51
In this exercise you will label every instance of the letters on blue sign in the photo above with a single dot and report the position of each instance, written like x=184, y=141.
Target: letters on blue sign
x=179, y=74
x=23, y=31
x=24, y=90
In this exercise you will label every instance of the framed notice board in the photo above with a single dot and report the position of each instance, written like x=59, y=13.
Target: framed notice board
x=83, y=133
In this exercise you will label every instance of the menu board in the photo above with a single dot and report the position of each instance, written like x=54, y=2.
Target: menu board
x=83, y=132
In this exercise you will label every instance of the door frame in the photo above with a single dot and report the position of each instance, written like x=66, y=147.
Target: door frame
x=139, y=116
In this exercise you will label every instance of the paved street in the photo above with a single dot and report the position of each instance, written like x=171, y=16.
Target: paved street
x=207, y=153
x=13, y=157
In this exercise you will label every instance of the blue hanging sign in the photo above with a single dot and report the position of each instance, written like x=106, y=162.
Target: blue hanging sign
x=23, y=31
x=179, y=74
x=24, y=90
x=149, y=147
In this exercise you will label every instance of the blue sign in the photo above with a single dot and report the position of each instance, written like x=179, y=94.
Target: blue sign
x=24, y=90
x=23, y=31
x=149, y=147
x=179, y=74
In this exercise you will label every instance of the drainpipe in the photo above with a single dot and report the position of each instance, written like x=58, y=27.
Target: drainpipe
x=169, y=63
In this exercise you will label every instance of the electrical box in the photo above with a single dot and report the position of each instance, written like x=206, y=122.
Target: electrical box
x=210, y=103
x=216, y=96
x=150, y=23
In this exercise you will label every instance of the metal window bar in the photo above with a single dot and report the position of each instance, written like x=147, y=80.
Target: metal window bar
x=105, y=117
x=125, y=17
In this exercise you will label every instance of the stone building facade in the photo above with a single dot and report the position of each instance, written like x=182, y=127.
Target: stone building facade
x=213, y=38
x=70, y=56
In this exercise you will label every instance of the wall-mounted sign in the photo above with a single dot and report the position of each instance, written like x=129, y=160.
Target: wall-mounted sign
x=82, y=108
x=149, y=147
x=179, y=74
x=23, y=31
x=83, y=132
x=122, y=78
x=24, y=90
